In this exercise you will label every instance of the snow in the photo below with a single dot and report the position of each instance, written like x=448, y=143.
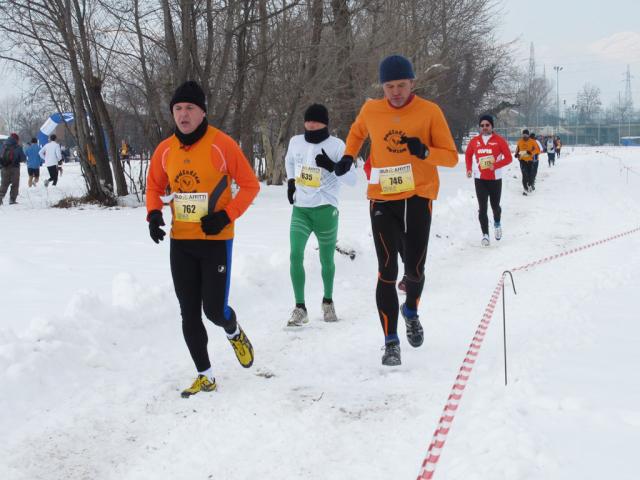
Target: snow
x=92, y=358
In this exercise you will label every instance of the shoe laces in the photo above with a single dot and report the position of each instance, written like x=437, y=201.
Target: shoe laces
x=198, y=382
x=328, y=308
x=413, y=325
x=298, y=314
x=392, y=348
x=238, y=343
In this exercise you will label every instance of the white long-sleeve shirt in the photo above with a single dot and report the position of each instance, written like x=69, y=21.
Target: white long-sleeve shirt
x=301, y=153
x=51, y=153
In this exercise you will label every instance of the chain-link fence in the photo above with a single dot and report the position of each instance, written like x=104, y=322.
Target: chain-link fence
x=592, y=134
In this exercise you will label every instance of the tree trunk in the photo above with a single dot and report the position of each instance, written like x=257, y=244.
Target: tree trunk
x=121, y=183
x=151, y=92
x=344, y=115
x=251, y=109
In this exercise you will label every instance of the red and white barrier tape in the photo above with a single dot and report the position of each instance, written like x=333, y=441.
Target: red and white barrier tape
x=574, y=250
x=453, y=401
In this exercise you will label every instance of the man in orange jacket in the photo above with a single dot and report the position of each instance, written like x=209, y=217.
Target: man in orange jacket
x=410, y=138
x=526, y=149
x=198, y=163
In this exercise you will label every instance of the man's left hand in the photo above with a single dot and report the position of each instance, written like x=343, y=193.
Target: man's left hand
x=416, y=147
x=213, y=223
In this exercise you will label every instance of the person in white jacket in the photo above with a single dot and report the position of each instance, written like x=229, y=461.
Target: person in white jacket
x=313, y=190
x=51, y=153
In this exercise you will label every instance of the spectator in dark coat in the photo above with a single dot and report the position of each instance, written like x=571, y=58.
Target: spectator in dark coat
x=10, y=157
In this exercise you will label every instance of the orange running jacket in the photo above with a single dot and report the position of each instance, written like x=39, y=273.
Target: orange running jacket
x=208, y=166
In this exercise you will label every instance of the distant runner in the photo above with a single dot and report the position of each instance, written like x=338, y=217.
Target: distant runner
x=485, y=157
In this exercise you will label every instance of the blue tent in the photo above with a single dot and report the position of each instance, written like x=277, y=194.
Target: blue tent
x=630, y=141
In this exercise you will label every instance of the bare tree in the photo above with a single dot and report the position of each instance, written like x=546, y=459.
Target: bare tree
x=115, y=64
x=23, y=115
x=55, y=43
x=588, y=102
x=10, y=111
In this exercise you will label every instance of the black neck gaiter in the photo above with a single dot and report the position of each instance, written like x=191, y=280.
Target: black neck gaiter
x=316, y=136
x=193, y=137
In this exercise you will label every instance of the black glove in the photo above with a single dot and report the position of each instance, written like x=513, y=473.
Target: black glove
x=323, y=161
x=291, y=189
x=416, y=147
x=343, y=166
x=155, y=222
x=213, y=223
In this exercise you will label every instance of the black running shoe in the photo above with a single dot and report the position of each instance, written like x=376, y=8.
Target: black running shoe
x=391, y=356
x=415, y=334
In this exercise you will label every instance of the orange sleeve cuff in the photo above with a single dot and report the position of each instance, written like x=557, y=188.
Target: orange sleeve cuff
x=242, y=173
x=157, y=180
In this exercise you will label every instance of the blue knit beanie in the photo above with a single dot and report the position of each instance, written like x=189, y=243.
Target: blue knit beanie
x=395, y=67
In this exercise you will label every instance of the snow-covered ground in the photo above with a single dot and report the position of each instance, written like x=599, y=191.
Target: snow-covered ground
x=92, y=358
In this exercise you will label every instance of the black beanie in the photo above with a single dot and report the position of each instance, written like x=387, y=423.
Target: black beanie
x=395, y=67
x=317, y=113
x=189, y=92
x=525, y=132
x=486, y=117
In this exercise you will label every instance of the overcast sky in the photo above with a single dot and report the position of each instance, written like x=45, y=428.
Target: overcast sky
x=592, y=44
x=592, y=41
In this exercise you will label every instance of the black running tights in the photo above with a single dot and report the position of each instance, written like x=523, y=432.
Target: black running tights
x=390, y=221
x=488, y=190
x=201, y=271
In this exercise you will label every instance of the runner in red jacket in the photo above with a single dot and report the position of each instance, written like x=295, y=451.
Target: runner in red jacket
x=485, y=156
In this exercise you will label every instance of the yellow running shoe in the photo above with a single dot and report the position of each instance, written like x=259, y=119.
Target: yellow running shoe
x=201, y=384
x=243, y=348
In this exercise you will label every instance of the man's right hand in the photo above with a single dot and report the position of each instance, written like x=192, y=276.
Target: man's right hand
x=468, y=173
x=344, y=165
x=324, y=161
x=291, y=189
x=155, y=222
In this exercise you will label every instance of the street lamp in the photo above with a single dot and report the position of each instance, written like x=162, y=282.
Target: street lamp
x=577, y=109
x=557, y=68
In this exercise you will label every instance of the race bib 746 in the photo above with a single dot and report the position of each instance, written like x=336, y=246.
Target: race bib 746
x=396, y=179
